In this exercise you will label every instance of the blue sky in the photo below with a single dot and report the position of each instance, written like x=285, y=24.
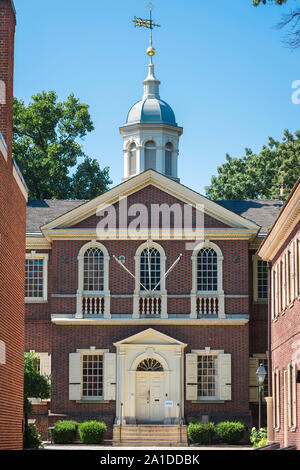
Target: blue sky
x=223, y=67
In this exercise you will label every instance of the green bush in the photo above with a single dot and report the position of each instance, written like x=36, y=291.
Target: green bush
x=230, y=432
x=92, y=432
x=33, y=439
x=64, y=432
x=258, y=437
x=200, y=433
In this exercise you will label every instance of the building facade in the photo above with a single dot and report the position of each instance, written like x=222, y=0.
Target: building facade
x=13, y=197
x=148, y=304
x=281, y=249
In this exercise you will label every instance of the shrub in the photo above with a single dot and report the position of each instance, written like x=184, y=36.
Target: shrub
x=230, y=432
x=64, y=432
x=258, y=437
x=200, y=433
x=92, y=432
x=33, y=439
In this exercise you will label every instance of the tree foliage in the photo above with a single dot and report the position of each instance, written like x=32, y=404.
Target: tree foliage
x=292, y=20
x=46, y=146
x=265, y=175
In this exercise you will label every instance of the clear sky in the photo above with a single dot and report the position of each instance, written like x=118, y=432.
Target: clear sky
x=223, y=67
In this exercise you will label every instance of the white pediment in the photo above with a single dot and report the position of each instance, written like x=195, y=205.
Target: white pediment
x=150, y=337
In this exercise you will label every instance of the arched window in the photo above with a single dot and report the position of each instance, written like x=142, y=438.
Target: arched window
x=93, y=270
x=150, y=155
x=150, y=268
x=150, y=365
x=132, y=159
x=207, y=270
x=168, y=160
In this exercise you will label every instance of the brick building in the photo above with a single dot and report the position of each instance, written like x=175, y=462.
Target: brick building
x=281, y=249
x=148, y=304
x=13, y=197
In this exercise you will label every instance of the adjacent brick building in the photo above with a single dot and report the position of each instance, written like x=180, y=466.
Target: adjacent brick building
x=13, y=197
x=281, y=249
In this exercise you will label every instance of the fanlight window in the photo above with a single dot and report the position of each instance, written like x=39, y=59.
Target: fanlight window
x=93, y=270
x=150, y=155
x=168, y=160
x=150, y=269
x=207, y=270
x=150, y=365
x=132, y=160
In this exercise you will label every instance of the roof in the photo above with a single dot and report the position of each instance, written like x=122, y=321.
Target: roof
x=151, y=110
x=263, y=212
x=43, y=211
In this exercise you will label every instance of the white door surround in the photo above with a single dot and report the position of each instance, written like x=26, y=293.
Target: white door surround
x=144, y=393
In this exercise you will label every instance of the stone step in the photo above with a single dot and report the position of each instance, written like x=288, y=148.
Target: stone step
x=150, y=436
x=130, y=443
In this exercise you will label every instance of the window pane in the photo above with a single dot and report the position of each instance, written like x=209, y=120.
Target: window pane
x=150, y=277
x=34, y=278
x=93, y=270
x=92, y=376
x=262, y=279
x=207, y=268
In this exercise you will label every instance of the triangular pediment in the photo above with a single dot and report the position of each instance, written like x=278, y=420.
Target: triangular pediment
x=171, y=189
x=150, y=337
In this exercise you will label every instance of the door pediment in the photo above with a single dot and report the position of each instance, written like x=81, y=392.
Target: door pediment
x=149, y=337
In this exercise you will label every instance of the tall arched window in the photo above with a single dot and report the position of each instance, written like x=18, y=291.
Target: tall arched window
x=93, y=270
x=168, y=160
x=150, y=155
x=132, y=159
x=207, y=270
x=150, y=268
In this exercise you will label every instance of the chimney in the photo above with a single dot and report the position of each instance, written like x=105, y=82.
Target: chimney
x=7, y=35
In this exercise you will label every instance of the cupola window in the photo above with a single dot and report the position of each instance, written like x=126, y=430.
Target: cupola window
x=150, y=155
x=168, y=160
x=132, y=160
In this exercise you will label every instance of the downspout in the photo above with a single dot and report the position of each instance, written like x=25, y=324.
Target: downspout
x=269, y=330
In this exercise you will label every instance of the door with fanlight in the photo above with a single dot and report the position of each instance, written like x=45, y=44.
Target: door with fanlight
x=149, y=392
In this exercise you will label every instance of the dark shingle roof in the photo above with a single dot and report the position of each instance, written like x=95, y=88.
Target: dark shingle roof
x=41, y=212
x=261, y=212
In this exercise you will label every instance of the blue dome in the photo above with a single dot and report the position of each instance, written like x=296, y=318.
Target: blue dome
x=151, y=110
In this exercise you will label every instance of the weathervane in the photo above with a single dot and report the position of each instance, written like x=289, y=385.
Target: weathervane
x=149, y=25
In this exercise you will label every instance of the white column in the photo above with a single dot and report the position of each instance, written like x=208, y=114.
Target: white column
x=120, y=385
x=126, y=164
x=160, y=163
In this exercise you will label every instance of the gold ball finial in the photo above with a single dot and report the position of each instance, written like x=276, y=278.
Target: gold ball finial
x=151, y=51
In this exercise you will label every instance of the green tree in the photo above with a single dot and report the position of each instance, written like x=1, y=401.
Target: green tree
x=291, y=19
x=46, y=144
x=264, y=176
x=35, y=385
x=89, y=180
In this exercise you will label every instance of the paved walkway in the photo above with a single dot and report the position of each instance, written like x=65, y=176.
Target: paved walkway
x=107, y=448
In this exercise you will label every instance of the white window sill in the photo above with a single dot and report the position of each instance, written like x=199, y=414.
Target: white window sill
x=207, y=402
x=92, y=401
x=35, y=301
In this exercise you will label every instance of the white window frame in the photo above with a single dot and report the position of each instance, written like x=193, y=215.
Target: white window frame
x=44, y=257
x=276, y=398
x=255, y=260
x=209, y=352
x=292, y=395
x=220, y=292
x=80, y=290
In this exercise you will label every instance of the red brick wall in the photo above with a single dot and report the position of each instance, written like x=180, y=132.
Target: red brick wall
x=12, y=255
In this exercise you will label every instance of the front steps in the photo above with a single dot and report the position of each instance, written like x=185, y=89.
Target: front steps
x=150, y=435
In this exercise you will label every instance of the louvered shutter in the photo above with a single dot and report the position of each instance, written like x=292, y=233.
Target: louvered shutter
x=253, y=387
x=45, y=363
x=74, y=376
x=224, y=374
x=110, y=378
x=191, y=377
x=294, y=395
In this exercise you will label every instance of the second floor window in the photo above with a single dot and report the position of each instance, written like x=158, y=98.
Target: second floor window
x=150, y=269
x=93, y=279
x=262, y=280
x=36, y=266
x=207, y=270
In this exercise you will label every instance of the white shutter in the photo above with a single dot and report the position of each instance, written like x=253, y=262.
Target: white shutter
x=191, y=377
x=294, y=395
x=110, y=376
x=289, y=394
x=45, y=363
x=74, y=376
x=224, y=374
x=253, y=388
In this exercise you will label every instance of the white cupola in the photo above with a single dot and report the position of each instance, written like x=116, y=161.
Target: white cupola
x=151, y=134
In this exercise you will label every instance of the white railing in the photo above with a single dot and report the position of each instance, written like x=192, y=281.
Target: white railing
x=150, y=306
x=207, y=305
x=93, y=305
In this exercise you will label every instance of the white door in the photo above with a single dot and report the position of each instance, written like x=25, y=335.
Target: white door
x=149, y=397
